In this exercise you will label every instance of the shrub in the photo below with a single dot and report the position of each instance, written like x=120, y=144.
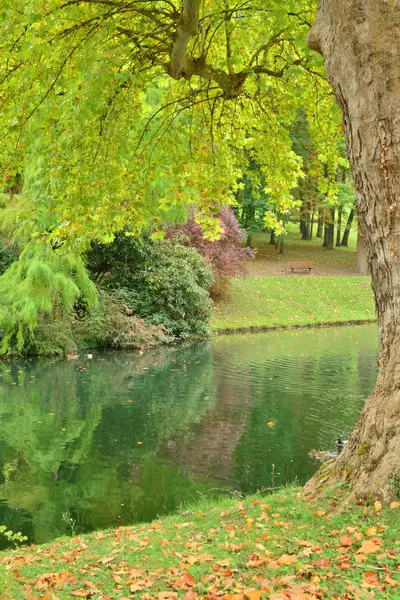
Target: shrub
x=163, y=283
x=226, y=255
x=112, y=324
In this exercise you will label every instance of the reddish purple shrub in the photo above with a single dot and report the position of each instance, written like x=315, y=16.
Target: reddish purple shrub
x=227, y=255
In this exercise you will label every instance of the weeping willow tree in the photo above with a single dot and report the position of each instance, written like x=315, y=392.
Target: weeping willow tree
x=41, y=288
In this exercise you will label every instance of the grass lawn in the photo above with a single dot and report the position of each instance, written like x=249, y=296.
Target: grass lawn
x=278, y=547
x=311, y=251
x=271, y=301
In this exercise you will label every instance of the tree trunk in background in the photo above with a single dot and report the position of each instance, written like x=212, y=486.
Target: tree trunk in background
x=282, y=246
x=249, y=240
x=331, y=231
x=320, y=228
x=312, y=225
x=326, y=235
x=272, y=239
x=345, y=239
x=303, y=221
x=362, y=263
x=339, y=226
x=360, y=42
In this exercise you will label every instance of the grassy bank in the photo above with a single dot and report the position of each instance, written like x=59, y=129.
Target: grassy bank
x=277, y=548
x=272, y=301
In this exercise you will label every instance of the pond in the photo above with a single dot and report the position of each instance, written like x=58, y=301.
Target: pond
x=122, y=438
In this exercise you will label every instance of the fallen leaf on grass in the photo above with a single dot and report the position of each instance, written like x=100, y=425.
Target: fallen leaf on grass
x=395, y=505
x=287, y=559
x=346, y=540
x=360, y=558
x=82, y=593
x=182, y=525
x=187, y=580
x=370, y=580
x=369, y=547
x=378, y=506
x=253, y=594
x=167, y=596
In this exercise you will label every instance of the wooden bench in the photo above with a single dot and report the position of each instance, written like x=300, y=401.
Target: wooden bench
x=300, y=266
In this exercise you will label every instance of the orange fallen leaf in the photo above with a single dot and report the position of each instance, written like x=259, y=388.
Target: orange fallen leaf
x=378, y=506
x=187, y=580
x=346, y=540
x=395, y=505
x=369, y=547
x=360, y=558
x=271, y=424
x=82, y=594
x=205, y=558
x=254, y=594
x=287, y=559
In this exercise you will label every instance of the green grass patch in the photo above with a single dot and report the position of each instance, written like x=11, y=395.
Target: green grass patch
x=311, y=251
x=272, y=301
x=279, y=547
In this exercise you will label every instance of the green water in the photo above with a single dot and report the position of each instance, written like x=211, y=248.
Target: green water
x=123, y=438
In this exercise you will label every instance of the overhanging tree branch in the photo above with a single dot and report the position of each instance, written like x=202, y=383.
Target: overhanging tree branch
x=186, y=28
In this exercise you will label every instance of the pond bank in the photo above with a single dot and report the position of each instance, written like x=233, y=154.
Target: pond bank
x=279, y=547
x=266, y=328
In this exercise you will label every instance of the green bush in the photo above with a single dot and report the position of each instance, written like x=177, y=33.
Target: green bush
x=163, y=283
x=112, y=324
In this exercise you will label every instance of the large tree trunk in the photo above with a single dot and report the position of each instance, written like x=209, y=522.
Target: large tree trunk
x=360, y=42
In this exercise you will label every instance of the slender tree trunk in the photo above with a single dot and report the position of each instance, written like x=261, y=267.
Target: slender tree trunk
x=308, y=221
x=326, y=235
x=346, y=234
x=282, y=246
x=312, y=225
x=360, y=42
x=272, y=239
x=303, y=221
x=320, y=227
x=339, y=227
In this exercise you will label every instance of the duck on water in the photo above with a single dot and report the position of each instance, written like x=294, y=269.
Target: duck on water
x=327, y=454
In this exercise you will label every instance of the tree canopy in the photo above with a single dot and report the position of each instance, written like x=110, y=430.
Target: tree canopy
x=118, y=112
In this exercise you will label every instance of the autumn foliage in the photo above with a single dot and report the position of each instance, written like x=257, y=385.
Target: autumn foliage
x=227, y=254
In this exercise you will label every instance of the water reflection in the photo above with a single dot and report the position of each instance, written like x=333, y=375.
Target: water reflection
x=122, y=438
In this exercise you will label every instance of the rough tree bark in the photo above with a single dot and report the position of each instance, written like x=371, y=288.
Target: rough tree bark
x=360, y=41
x=362, y=262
